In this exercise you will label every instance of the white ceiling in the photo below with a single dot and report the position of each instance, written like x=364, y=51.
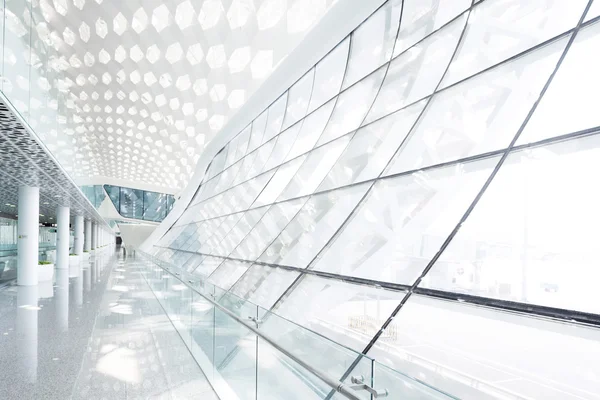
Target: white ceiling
x=146, y=84
x=23, y=161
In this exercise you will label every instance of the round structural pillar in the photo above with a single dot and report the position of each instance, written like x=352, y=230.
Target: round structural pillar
x=28, y=233
x=62, y=237
x=27, y=332
x=61, y=301
x=79, y=239
x=94, y=235
x=87, y=246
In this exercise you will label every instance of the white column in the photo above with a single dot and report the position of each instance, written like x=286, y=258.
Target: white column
x=62, y=237
x=61, y=301
x=27, y=332
x=28, y=231
x=78, y=245
x=79, y=287
x=94, y=235
x=87, y=277
x=88, y=235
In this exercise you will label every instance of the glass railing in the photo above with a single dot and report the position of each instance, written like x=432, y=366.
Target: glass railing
x=248, y=352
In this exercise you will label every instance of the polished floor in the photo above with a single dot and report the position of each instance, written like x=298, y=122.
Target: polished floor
x=96, y=332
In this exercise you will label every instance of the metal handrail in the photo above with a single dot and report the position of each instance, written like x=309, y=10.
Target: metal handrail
x=332, y=382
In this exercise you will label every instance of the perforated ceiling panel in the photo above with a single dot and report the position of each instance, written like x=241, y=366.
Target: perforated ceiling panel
x=134, y=90
x=23, y=161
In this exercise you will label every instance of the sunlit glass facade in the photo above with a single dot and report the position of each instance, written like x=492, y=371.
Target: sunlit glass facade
x=140, y=204
x=426, y=194
x=132, y=203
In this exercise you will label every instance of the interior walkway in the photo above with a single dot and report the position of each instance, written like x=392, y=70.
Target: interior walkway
x=98, y=332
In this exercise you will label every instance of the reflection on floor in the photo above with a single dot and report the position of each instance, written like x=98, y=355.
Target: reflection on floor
x=96, y=333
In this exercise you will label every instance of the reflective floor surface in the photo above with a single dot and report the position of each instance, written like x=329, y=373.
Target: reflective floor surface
x=96, y=332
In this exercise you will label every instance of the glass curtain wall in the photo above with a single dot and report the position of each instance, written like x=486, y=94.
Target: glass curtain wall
x=8, y=234
x=94, y=193
x=427, y=195
x=132, y=203
x=140, y=204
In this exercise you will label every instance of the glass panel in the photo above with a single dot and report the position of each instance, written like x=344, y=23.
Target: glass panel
x=299, y=96
x=252, y=188
x=170, y=203
x=280, y=377
x=89, y=193
x=235, y=355
x=402, y=386
x=262, y=156
x=312, y=128
x=207, y=266
x=263, y=285
x=99, y=194
x=203, y=334
x=228, y=273
x=180, y=258
x=239, y=231
x=275, y=117
x=569, y=105
x=284, y=143
x=314, y=349
x=242, y=146
x=371, y=148
x=280, y=180
x=267, y=229
x=486, y=112
x=245, y=169
x=258, y=130
x=372, y=42
x=345, y=313
x=456, y=347
x=318, y=163
x=228, y=176
x=498, y=30
x=313, y=226
x=416, y=73
x=154, y=206
x=531, y=238
x=329, y=74
x=131, y=203
x=594, y=10
x=352, y=106
x=192, y=263
x=403, y=222
x=207, y=189
x=422, y=17
x=231, y=148
x=228, y=223
x=218, y=163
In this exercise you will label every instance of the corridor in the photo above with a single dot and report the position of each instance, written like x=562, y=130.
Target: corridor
x=98, y=332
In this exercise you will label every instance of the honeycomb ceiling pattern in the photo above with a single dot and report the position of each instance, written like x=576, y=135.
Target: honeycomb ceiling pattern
x=140, y=87
x=24, y=162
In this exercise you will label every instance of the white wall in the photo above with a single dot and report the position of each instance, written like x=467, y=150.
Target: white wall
x=135, y=234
